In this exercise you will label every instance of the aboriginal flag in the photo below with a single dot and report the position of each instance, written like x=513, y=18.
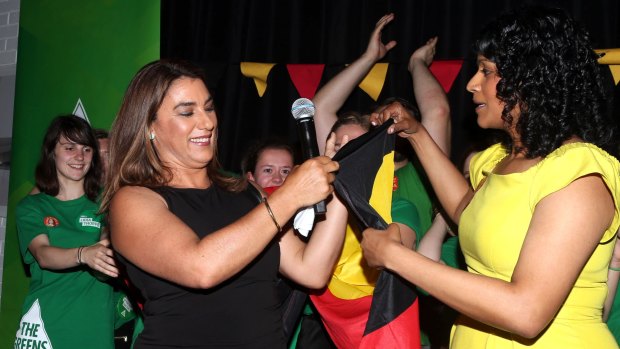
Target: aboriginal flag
x=362, y=307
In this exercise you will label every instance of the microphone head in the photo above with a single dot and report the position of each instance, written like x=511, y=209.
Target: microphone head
x=302, y=108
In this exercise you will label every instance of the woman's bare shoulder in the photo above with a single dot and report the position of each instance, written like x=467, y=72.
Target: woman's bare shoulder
x=132, y=195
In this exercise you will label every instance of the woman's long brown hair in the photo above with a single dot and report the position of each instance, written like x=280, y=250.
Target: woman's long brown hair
x=133, y=159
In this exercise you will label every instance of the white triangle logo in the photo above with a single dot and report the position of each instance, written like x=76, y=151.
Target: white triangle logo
x=31, y=332
x=80, y=111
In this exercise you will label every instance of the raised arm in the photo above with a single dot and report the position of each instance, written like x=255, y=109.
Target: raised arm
x=146, y=233
x=430, y=96
x=330, y=98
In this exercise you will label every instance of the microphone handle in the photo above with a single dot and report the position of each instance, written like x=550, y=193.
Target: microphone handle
x=310, y=149
x=319, y=208
x=307, y=138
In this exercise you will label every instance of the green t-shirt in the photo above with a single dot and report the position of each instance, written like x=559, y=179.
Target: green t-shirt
x=405, y=212
x=67, y=308
x=408, y=185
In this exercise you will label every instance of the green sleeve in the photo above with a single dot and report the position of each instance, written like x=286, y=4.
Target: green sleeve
x=30, y=223
x=404, y=212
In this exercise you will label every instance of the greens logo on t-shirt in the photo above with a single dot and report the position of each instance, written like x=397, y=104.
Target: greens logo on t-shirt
x=31, y=332
x=86, y=221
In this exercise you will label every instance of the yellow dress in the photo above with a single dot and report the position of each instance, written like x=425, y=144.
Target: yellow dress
x=493, y=228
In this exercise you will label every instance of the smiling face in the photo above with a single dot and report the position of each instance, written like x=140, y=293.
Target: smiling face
x=483, y=87
x=72, y=161
x=185, y=126
x=272, y=167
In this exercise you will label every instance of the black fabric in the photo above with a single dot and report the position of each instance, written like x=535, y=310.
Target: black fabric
x=293, y=302
x=436, y=320
x=220, y=34
x=359, y=161
x=312, y=334
x=123, y=335
x=392, y=296
x=242, y=312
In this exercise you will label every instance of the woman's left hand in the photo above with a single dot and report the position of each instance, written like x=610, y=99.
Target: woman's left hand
x=376, y=242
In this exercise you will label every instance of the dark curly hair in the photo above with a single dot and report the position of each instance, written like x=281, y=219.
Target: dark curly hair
x=548, y=69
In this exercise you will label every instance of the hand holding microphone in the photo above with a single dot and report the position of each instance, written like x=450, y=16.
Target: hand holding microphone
x=303, y=112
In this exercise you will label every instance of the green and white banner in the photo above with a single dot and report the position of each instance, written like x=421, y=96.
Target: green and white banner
x=74, y=56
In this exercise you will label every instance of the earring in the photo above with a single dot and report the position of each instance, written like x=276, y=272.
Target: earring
x=151, y=136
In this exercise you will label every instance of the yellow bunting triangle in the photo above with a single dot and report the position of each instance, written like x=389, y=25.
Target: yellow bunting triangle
x=374, y=80
x=615, y=71
x=259, y=72
x=611, y=57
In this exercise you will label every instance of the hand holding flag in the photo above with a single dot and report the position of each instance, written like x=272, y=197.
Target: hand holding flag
x=376, y=243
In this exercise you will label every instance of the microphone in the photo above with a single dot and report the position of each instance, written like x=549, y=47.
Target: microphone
x=303, y=113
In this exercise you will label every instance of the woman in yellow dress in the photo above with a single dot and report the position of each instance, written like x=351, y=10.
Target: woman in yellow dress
x=538, y=228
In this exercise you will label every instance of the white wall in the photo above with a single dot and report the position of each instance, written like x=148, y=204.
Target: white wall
x=9, y=27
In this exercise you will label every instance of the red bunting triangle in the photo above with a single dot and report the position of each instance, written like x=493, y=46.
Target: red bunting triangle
x=306, y=78
x=446, y=71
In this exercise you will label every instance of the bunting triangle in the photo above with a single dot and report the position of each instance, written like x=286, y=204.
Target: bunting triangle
x=615, y=72
x=374, y=80
x=259, y=72
x=445, y=72
x=611, y=57
x=306, y=78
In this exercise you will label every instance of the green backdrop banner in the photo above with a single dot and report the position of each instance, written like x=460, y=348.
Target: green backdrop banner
x=70, y=52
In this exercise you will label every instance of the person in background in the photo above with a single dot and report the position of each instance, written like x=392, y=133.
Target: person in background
x=268, y=163
x=413, y=216
x=611, y=310
x=537, y=226
x=104, y=149
x=102, y=141
x=69, y=303
x=205, y=249
x=124, y=310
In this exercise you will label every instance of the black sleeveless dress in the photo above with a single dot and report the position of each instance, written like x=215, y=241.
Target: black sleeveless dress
x=242, y=312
